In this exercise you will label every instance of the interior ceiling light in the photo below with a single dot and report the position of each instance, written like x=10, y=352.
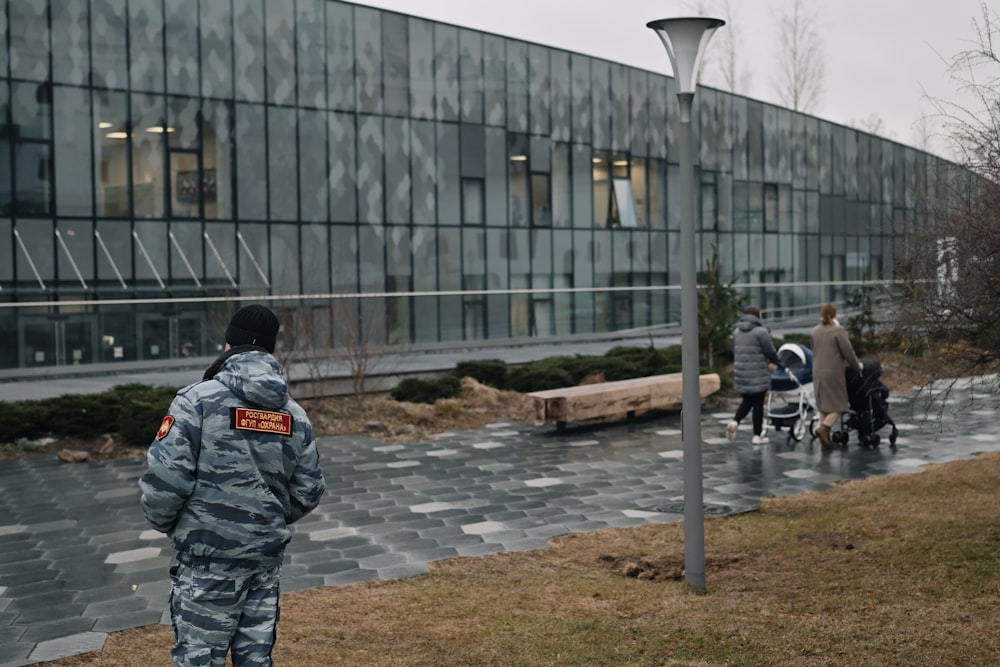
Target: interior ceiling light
x=104, y=125
x=159, y=129
x=620, y=163
x=518, y=158
x=597, y=160
x=117, y=135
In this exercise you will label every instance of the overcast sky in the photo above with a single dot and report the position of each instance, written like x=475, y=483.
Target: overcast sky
x=883, y=56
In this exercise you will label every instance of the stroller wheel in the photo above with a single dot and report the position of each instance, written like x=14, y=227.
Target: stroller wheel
x=840, y=437
x=797, y=430
x=893, y=436
x=874, y=440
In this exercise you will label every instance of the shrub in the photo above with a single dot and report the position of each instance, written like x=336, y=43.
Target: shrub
x=492, y=372
x=140, y=410
x=538, y=376
x=133, y=411
x=417, y=390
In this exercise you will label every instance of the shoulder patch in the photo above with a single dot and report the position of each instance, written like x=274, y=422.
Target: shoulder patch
x=165, y=427
x=261, y=421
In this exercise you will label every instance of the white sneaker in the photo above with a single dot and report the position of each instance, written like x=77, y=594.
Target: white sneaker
x=731, y=430
x=760, y=440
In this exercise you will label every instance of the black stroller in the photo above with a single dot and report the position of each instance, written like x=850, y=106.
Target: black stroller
x=869, y=401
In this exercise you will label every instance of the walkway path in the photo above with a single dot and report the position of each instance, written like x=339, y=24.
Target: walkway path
x=77, y=560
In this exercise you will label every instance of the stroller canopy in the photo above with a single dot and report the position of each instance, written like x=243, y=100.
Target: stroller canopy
x=796, y=360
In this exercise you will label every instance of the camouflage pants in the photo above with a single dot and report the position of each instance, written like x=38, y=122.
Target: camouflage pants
x=214, y=612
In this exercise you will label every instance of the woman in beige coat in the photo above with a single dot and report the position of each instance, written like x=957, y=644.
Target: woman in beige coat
x=832, y=350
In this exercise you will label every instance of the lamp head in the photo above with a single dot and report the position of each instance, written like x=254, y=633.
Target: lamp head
x=685, y=40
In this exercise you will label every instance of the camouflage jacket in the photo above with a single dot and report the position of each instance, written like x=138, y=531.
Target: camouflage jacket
x=233, y=464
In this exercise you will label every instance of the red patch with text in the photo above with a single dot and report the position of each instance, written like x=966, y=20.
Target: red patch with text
x=165, y=427
x=261, y=421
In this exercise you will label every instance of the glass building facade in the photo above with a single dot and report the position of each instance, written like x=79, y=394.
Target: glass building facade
x=377, y=175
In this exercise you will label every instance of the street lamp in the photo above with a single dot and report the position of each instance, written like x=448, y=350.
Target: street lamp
x=685, y=40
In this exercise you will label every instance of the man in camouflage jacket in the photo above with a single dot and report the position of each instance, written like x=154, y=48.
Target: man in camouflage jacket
x=232, y=466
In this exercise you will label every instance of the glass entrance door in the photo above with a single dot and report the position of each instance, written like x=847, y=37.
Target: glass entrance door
x=58, y=341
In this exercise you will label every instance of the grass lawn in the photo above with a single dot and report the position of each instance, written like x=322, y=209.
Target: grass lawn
x=901, y=570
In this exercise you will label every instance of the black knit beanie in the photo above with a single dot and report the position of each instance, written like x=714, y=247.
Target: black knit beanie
x=253, y=325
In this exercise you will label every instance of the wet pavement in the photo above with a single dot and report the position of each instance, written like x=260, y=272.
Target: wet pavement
x=77, y=560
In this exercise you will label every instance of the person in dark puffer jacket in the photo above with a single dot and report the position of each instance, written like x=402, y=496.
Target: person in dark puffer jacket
x=232, y=466
x=752, y=351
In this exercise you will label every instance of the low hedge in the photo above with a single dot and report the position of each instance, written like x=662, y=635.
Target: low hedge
x=133, y=411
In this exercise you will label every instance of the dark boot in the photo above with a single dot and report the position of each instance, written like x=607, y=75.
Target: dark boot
x=823, y=433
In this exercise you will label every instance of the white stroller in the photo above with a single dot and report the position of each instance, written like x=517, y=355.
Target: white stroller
x=791, y=402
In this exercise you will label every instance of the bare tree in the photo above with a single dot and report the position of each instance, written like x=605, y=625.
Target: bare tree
x=722, y=65
x=949, y=264
x=974, y=127
x=872, y=124
x=801, y=59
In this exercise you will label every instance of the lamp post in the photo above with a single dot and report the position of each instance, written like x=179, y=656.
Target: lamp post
x=685, y=40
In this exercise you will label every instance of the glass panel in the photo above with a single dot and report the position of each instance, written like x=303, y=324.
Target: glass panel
x=448, y=185
x=518, y=179
x=186, y=256
x=251, y=162
x=108, y=48
x=561, y=189
x=368, y=51
x=472, y=201
x=217, y=49
x=583, y=199
x=280, y=47
x=145, y=35
x=619, y=107
x=111, y=154
x=311, y=41
x=148, y=183
x=517, y=86
x=181, y=33
x=31, y=111
x=602, y=188
x=286, y=257
x=4, y=61
x=218, y=163
x=187, y=184
x=6, y=246
x=638, y=180
x=559, y=107
x=421, y=64
x=70, y=43
x=639, y=122
x=423, y=168
x=29, y=39
x=495, y=80
x=371, y=178
x=282, y=164
x=341, y=160
x=496, y=176
x=340, y=56
x=397, y=170
x=248, y=49
x=395, y=64
x=600, y=94
x=312, y=165
x=425, y=267
x=315, y=259
x=580, y=92
x=446, y=72
x=74, y=193
x=539, y=89
x=471, y=71
x=541, y=207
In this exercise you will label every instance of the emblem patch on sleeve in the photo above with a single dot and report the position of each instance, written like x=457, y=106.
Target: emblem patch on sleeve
x=165, y=427
x=262, y=421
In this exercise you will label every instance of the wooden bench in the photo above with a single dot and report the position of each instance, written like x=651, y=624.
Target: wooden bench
x=603, y=399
